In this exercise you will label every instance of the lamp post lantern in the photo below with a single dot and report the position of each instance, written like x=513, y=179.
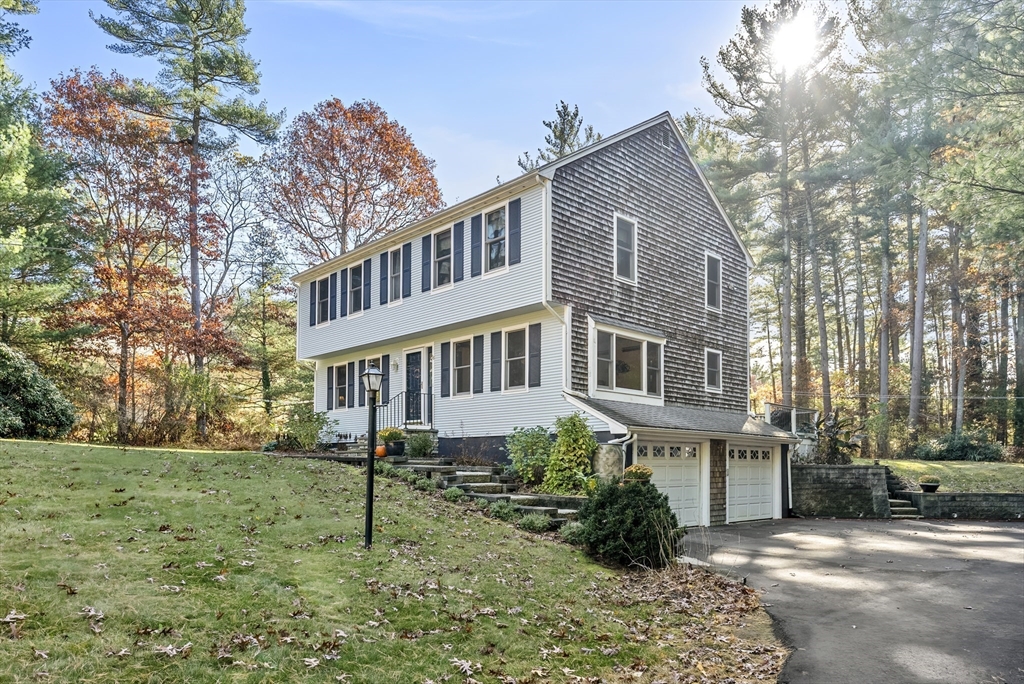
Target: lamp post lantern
x=372, y=379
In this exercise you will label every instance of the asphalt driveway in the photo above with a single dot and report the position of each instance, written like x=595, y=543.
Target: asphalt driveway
x=884, y=601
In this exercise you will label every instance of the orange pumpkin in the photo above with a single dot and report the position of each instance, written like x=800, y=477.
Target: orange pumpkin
x=382, y=451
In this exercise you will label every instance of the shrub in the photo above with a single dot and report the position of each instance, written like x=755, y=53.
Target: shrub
x=454, y=494
x=529, y=450
x=966, y=446
x=425, y=484
x=384, y=468
x=409, y=476
x=269, y=446
x=419, y=445
x=305, y=425
x=1013, y=454
x=31, y=406
x=928, y=479
x=569, y=464
x=482, y=504
x=572, y=533
x=629, y=524
x=835, y=440
x=535, y=522
x=637, y=471
x=390, y=434
x=503, y=510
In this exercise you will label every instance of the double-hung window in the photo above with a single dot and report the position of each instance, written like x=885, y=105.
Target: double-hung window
x=462, y=369
x=443, y=258
x=494, y=248
x=713, y=370
x=340, y=385
x=627, y=363
x=355, y=289
x=713, y=282
x=396, y=276
x=323, y=300
x=625, y=249
x=515, y=359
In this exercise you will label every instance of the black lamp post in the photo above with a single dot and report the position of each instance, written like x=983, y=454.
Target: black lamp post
x=372, y=378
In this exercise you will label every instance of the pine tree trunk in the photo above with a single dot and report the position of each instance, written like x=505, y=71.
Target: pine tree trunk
x=883, y=346
x=787, y=256
x=959, y=362
x=858, y=323
x=1018, y=353
x=801, y=364
x=917, y=341
x=839, y=302
x=268, y=404
x=193, y=253
x=1002, y=381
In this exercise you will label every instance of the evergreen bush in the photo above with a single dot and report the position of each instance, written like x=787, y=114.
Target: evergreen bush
x=504, y=510
x=629, y=524
x=569, y=464
x=31, y=406
x=454, y=494
x=305, y=425
x=966, y=446
x=419, y=445
x=424, y=484
x=529, y=449
x=572, y=533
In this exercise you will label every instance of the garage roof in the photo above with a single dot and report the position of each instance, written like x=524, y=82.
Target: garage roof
x=638, y=417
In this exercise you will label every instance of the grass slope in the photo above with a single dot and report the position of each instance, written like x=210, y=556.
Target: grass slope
x=963, y=476
x=132, y=565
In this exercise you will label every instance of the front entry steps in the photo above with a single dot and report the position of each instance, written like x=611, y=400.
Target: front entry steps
x=491, y=484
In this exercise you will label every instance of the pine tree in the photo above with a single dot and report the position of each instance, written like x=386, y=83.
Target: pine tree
x=563, y=137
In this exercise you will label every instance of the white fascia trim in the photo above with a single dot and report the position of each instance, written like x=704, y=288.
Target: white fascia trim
x=546, y=242
x=452, y=214
x=614, y=426
x=751, y=440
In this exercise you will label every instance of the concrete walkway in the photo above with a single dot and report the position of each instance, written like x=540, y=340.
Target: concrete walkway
x=884, y=601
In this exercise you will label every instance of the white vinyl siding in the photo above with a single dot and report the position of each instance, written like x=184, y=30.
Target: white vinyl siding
x=518, y=287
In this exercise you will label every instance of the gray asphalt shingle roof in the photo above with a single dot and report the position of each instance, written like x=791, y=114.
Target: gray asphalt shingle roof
x=639, y=416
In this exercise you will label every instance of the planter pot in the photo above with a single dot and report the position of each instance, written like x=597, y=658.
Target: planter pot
x=381, y=451
x=395, y=448
x=929, y=487
x=646, y=480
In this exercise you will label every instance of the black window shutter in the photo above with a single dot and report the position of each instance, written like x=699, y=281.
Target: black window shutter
x=385, y=382
x=351, y=378
x=362, y=388
x=534, y=361
x=343, y=295
x=446, y=368
x=458, y=247
x=312, y=303
x=495, y=361
x=367, y=280
x=406, y=270
x=330, y=388
x=384, y=278
x=478, y=364
x=425, y=280
x=334, y=297
x=476, y=258
x=515, y=210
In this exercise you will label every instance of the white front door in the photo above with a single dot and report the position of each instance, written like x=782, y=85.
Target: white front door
x=750, y=488
x=676, y=468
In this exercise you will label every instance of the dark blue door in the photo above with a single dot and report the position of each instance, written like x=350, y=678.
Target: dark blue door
x=413, y=387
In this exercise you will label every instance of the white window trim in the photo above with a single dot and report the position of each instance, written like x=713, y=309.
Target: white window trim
x=721, y=379
x=525, y=327
x=350, y=291
x=709, y=254
x=451, y=370
x=483, y=241
x=615, y=247
x=327, y=321
x=391, y=275
x=636, y=396
x=433, y=259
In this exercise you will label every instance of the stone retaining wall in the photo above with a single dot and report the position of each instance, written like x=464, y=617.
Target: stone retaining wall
x=840, y=491
x=967, y=505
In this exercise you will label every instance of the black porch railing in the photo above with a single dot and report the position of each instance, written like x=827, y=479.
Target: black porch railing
x=406, y=409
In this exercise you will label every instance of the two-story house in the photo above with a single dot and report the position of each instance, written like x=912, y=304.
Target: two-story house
x=608, y=282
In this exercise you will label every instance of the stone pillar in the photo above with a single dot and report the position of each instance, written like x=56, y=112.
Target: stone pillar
x=608, y=461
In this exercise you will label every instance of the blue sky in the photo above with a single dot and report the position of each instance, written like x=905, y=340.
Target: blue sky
x=470, y=81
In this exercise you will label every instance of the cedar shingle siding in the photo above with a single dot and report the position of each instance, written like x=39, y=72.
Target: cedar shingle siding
x=642, y=178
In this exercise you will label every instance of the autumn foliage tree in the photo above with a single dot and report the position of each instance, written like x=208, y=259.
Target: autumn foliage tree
x=130, y=187
x=342, y=176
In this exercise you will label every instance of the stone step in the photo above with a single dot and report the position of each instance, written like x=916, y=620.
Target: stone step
x=567, y=513
x=493, y=470
x=523, y=499
x=899, y=502
x=904, y=510
x=432, y=470
x=907, y=517
x=483, y=488
x=488, y=497
x=468, y=476
x=543, y=510
x=556, y=523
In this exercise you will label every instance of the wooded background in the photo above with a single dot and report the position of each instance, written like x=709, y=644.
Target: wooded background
x=879, y=182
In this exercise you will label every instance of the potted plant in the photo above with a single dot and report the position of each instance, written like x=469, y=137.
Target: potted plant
x=637, y=473
x=394, y=440
x=928, y=483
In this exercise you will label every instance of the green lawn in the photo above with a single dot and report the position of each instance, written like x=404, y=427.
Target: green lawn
x=963, y=476
x=154, y=565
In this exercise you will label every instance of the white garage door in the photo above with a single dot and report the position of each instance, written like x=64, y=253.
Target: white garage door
x=676, y=473
x=750, y=483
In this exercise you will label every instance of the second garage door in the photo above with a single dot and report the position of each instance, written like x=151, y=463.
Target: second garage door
x=676, y=470
x=750, y=483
